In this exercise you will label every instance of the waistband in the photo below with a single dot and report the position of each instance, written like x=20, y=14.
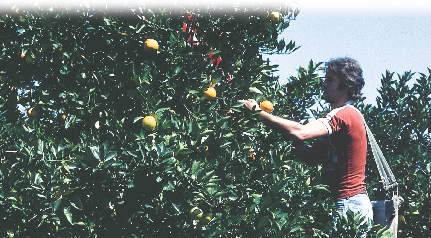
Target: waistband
x=361, y=192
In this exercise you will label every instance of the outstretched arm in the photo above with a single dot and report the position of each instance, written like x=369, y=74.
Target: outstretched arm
x=290, y=129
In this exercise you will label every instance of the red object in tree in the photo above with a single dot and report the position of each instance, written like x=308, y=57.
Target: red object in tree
x=193, y=40
x=215, y=60
x=211, y=55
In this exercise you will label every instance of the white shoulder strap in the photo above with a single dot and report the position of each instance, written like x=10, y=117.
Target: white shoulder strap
x=385, y=171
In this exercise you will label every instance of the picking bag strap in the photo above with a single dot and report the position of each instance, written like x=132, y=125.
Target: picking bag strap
x=385, y=171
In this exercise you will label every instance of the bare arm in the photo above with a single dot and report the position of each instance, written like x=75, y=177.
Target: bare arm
x=290, y=129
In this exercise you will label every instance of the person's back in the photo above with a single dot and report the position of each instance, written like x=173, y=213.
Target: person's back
x=345, y=159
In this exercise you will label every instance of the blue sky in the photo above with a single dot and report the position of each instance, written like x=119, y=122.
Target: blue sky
x=393, y=35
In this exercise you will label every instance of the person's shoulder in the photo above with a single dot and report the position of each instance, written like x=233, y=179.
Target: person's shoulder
x=350, y=109
x=350, y=112
x=346, y=111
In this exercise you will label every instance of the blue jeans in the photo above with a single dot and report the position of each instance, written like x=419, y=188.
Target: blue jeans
x=358, y=203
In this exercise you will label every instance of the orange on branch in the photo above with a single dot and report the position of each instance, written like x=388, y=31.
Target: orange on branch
x=151, y=45
x=149, y=123
x=33, y=112
x=63, y=116
x=210, y=93
x=274, y=16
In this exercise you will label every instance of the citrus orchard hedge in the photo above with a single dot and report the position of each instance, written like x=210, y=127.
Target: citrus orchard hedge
x=125, y=123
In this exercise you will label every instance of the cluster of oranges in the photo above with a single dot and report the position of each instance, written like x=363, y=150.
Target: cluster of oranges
x=149, y=122
x=152, y=46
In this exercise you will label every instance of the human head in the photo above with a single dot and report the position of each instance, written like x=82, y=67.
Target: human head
x=350, y=73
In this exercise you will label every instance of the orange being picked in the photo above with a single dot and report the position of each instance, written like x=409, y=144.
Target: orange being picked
x=151, y=45
x=210, y=93
x=149, y=123
x=266, y=106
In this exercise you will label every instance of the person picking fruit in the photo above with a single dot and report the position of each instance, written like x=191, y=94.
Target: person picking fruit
x=340, y=140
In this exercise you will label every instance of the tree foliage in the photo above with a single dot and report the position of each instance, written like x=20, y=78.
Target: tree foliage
x=82, y=165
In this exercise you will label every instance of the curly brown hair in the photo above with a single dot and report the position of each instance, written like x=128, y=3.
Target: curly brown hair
x=350, y=73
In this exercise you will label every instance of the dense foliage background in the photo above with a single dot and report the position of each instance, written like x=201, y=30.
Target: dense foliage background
x=82, y=165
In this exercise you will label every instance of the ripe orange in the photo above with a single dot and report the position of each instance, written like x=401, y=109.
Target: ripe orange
x=63, y=116
x=210, y=93
x=274, y=16
x=33, y=112
x=149, y=123
x=151, y=45
x=266, y=106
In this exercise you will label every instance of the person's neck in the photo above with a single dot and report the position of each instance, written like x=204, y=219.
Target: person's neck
x=340, y=103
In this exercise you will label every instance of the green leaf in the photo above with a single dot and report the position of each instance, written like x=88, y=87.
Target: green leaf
x=68, y=214
x=214, y=52
x=169, y=186
x=137, y=119
x=169, y=161
x=177, y=69
x=283, y=184
x=111, y=155
x=228, y=135
x=321, y=189
x=27, y=129
x=177, y=209
x=132, y=153
x=136, y=77
x=219, y=194
x=184, y=151
x=76, y=202
x=95, y=151
x=195, y=166
x=55, y=205
x=255, y=90
x=263, y=222
x=206, y=132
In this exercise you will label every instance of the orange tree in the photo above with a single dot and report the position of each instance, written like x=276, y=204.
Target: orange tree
x=402, y=128
x=85, y=163
x=98, y=172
